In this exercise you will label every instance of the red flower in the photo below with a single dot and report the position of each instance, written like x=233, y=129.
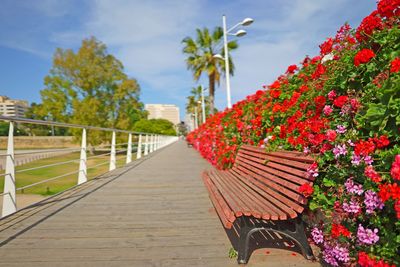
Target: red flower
x=275, y=93
x=340, y=101
x=306, y=190
x=364, y=148
x=389, y=8
x=395, y=65
x=338, y=230
x=364, y=260
x=372, y=174
x=395, y=170
x=326, y=47
x=304, y=88
x=321, y=69
x=397, y=208
x=291, y=69
x=275, y=85
x=368, y=25
x=382, y=141
x=363, y=56
x=331, y=135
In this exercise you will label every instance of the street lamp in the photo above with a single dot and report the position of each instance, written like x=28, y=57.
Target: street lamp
x=239, y=33
x=203, y=106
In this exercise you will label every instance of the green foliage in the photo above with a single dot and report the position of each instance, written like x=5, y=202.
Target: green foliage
x=200, y=57
x=157, y=126
x=90, y=87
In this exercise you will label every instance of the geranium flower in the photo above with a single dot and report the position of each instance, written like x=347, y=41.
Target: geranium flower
x=306, y=189
x=340, y=101
x=363, y=56
x=372, y=174
x=395, y=169
x=395, y=65
x=367, y=236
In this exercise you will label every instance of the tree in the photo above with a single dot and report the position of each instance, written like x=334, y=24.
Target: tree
x=194, y=100
x=157, y=126
x=200, y=52
x=90, y=87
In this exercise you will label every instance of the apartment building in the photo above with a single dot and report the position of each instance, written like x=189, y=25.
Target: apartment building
x=12, y=107
x=163, y=111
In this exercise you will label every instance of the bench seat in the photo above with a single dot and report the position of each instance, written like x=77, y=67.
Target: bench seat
x=261, y=187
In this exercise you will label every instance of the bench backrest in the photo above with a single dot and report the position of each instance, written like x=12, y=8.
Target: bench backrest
x=279, y=173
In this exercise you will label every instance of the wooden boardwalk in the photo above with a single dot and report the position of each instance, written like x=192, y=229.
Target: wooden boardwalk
x=153, y=212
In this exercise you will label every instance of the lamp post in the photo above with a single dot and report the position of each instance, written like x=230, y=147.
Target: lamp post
x=196, y=125
x=239, y=33
x=203, y=106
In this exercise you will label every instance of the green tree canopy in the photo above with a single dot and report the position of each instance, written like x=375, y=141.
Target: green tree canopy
x=90, y=87
x=157, y=126
x=200, y=57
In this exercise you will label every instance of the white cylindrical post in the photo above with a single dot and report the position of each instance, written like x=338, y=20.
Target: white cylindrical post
x=203, y=106
x=151, y=143
x=196, y=121
x=113, y=163
x=129, y=150
x=9, y=198
x=139, y=147
x=146, y=146
x=226, y=57
x=82, y=177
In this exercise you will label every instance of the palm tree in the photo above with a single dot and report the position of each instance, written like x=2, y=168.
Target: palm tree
x=194, y=100
x=200, y=58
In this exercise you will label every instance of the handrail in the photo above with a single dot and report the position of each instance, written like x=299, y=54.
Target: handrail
x=142, y=144
x=66, y=125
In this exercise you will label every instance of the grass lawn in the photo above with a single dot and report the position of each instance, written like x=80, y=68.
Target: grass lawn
x=58, y=185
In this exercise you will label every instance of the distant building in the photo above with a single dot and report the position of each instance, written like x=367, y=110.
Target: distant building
x=163, y=111
x=12, y=107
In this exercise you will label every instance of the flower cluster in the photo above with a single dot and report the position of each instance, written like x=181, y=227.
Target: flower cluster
x=341, y=106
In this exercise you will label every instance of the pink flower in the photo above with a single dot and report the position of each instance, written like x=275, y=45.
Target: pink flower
x=317, y=236
x=327, y=110
x=332, y=95
x=367, y=236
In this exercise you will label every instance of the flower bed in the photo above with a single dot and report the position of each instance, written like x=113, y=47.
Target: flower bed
x=343, y=106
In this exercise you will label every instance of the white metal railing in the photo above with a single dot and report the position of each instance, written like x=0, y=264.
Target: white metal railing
x=151, y=143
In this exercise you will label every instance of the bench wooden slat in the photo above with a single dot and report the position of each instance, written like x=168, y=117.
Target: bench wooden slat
x=275, y=182
x=240, y=194
x=284, y=162
x=292, y=155
x=222, y=203
x=276, y=166
x=270, y=204
x=257, y=179
x=259, y=210
x=289, y=177
x=227, y=224
x=237, y=205
x=268, y=195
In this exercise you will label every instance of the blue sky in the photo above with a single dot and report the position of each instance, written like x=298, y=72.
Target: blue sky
x=146, y=36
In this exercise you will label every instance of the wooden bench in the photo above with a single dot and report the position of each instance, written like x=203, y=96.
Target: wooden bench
x=261, y=192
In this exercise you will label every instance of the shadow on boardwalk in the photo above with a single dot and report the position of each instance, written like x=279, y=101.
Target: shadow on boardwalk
x=153, y=212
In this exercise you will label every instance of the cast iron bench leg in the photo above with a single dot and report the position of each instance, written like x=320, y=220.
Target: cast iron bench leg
x=244, y=235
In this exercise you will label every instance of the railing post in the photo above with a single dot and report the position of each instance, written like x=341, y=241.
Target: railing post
x=129, y=151
x=113, y=164
x=146, y=147
x=139, y=147
x=158, y=142
x=82, y=177
x=9, y=200
x=151, y=143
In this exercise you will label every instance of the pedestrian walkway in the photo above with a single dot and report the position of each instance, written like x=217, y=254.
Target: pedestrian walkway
x=153, y=212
